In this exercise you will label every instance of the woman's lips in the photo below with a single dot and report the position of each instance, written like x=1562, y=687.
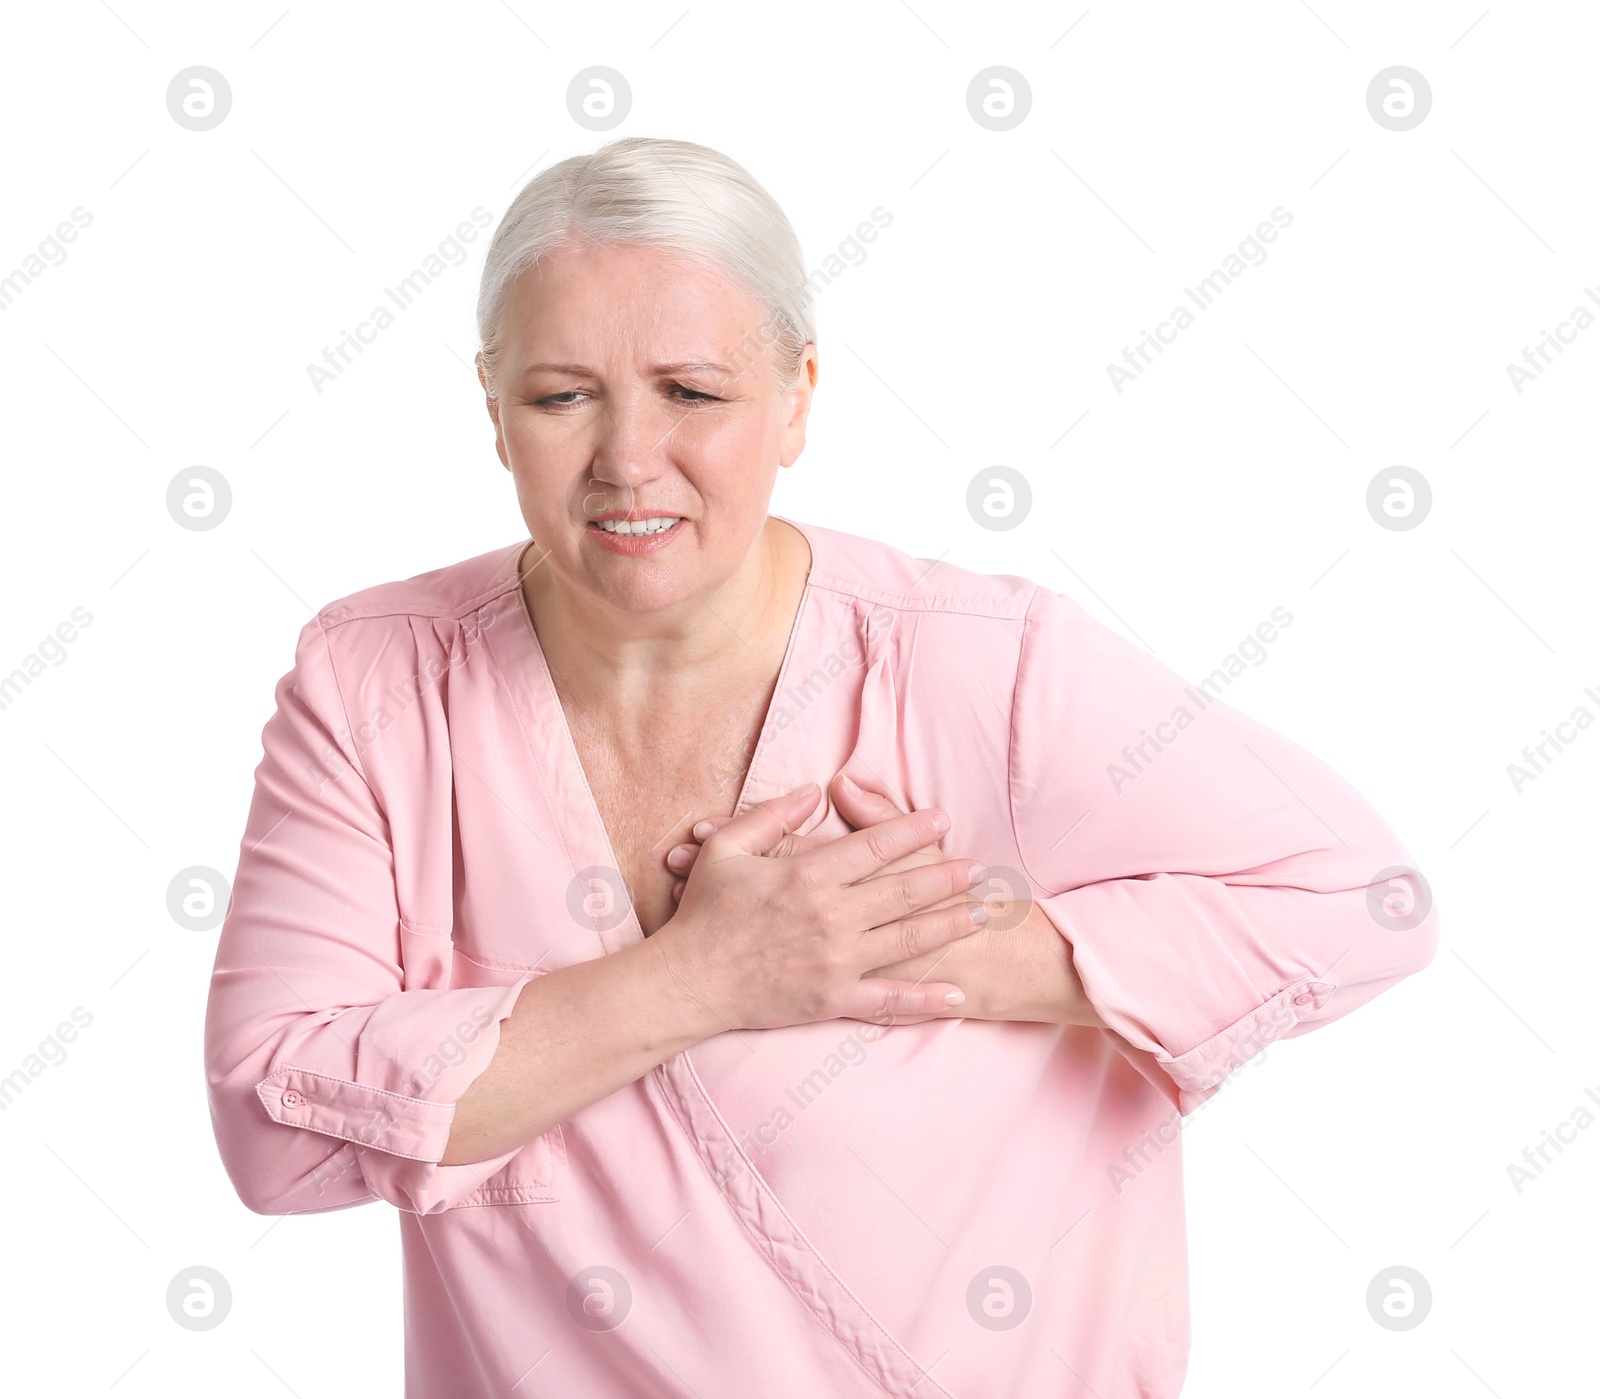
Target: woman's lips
x=632, y=544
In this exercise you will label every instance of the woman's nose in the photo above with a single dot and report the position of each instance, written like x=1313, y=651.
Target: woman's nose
x=633, y=439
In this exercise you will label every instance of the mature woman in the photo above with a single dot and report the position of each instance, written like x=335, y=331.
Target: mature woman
x=738, y=1133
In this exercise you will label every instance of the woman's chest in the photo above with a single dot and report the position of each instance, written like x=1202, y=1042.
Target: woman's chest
x=534, y=833
x=542, y=837
x=649, y=797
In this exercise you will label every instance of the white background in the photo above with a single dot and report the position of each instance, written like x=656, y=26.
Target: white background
x=1229, y=479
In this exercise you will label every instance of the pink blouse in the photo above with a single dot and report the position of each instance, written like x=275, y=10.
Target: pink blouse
x=953, y=1208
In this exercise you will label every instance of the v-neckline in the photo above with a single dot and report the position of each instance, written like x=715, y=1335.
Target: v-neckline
x=596, y=837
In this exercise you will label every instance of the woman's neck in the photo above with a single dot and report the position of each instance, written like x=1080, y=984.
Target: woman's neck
x=607, y=660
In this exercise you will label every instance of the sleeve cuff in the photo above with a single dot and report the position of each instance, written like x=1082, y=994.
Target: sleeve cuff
x=392, y=1122
x=1200, y=1071
x=395, y=1123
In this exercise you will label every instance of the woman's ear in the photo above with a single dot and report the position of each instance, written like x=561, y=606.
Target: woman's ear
x=799, y=396
x=493, y=405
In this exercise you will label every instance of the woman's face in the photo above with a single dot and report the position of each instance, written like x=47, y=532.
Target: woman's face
x=636, y=382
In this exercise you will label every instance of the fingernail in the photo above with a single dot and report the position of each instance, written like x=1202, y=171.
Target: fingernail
x=978, y=913
x=954, y=998
x=941, y=821
x=806, y=791
x=849, y=782
x=974, y=873
x=702, y=829
x=677, y=858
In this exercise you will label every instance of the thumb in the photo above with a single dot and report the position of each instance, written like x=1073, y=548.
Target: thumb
x=859, y=806
x=764, y=825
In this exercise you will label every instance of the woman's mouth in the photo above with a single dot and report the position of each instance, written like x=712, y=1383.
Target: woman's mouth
x=634, y=536
x=653, y=525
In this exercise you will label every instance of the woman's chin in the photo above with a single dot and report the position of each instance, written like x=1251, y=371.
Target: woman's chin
x=642, y=591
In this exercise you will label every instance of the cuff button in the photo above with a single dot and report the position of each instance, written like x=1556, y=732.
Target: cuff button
x=291, y=1099
x=1303, y=999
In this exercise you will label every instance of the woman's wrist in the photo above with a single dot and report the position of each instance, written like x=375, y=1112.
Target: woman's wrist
x=1052, y=976
x=687, y=1009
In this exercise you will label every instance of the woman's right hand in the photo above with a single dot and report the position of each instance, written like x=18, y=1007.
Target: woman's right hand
x=764, y=938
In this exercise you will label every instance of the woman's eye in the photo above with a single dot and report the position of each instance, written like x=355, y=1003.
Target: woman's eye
x=567, y=397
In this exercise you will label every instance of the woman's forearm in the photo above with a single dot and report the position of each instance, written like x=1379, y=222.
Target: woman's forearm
x=582, y=1032
x=576, y=1035
x=1009, y=971
x=1042, y=975
x=1024, y=972
x=759, y=941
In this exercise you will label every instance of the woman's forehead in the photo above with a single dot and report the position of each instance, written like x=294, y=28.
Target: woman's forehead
x=589, y=269
x=665, y=307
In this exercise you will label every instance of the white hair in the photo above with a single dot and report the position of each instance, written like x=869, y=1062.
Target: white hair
x=674, y=195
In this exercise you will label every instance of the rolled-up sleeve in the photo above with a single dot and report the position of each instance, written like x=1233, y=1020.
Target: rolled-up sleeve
x=330, y=1083
x=1221, y=888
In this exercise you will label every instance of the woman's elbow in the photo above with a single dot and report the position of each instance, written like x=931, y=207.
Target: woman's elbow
x=276, y=1169
x=1401, y=921
x=1385, y=933
x=1380, y=922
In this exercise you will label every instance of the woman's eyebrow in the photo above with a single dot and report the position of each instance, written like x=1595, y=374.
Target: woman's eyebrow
x=557, y=368
x=677, y=367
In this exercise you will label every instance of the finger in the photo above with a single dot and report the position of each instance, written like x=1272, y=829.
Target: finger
x=899, y=895
x=678, y=887
x=680, y=859
x=859, y=806
x=887, y=1002
x=790, y=844
x=942, y=963
x=906, y=939
x=862, y=853
x=793, y=844
x=766, y=823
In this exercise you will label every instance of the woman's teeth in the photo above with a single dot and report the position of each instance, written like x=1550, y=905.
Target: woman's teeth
x=654, y=525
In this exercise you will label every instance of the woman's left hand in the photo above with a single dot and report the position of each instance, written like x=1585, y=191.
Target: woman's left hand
x=1021, y=972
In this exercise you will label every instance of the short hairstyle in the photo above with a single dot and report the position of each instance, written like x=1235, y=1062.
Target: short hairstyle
x=674, y=195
